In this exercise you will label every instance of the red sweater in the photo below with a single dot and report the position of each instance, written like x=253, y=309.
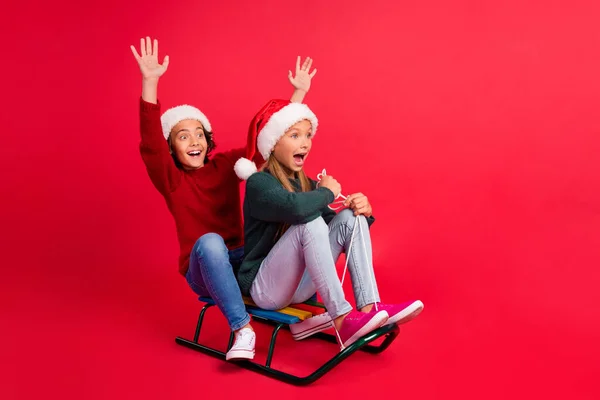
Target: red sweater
x=201, y=201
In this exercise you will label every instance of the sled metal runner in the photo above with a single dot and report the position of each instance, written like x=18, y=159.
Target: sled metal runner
x=279, y=321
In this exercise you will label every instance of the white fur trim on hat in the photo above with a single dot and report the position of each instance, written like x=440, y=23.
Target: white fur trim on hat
x=175, y=115
x=280, y=122
x=244, y=168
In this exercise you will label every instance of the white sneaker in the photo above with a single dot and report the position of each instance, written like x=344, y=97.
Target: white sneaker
x=243, y=347
x=310, y=326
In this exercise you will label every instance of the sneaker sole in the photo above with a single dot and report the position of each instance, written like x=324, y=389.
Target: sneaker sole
x=311, y=331
x=376, y=322
x=406, y=315
x=239, y=355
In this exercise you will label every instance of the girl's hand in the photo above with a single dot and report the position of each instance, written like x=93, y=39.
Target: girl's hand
x=332, y=184
x=148, y=61
x=359, y=203
x=302, y=79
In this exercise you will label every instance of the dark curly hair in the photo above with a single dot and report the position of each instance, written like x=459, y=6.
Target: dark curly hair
x=211, y=145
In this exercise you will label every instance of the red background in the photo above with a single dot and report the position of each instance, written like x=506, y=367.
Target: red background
x=472, y=126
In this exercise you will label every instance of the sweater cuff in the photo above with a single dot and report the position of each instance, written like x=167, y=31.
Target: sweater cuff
x=370, y=220
x=145, y=106
x=330, y=196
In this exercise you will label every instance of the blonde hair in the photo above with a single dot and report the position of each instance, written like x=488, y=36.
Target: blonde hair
x=274, y=167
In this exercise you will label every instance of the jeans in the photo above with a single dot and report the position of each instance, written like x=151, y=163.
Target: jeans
x=211, y=274
x=303, y=260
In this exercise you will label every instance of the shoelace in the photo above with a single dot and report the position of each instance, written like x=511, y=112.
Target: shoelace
x=340, y=205
x=244, y=334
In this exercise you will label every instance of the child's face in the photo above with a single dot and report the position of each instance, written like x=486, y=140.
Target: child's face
x=293, y=147
x=188, y=143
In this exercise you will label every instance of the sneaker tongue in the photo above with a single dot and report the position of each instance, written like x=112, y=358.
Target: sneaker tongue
x=245, y=331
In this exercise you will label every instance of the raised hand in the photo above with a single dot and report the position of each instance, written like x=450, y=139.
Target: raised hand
x=148, y=60
x=301, y=81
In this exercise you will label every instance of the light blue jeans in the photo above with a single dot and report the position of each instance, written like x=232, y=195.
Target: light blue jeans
x=211, y=274
x=303, y=261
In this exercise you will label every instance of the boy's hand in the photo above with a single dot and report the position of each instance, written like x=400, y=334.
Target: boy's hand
x=302, y=79
x=148, y=61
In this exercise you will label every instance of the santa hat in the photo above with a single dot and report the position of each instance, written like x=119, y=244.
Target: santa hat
x=175, y=115
x=267, y=127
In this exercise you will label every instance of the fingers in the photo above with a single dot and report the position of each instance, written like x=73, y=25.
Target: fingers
x=358, y=204
x=148, y=46
x=365, y=210
x=135, y=53
x=166, y=62
x=142, y=47
x=312, y=74
x=309, y=64
x=155, y=50
x=298, y=64
x=290, y=77
x=356, y=199
x=351, y=197
x=305, y=64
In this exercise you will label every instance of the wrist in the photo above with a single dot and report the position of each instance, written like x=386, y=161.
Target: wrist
x=150, y=81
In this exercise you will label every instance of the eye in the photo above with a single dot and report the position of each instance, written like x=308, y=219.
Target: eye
x=309, y=135
x=183, y=137
x=200, y=135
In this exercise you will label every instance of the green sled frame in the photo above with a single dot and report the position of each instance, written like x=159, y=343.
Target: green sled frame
x=280, y=320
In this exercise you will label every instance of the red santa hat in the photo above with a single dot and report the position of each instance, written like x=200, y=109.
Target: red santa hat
x=175, y=115
x=267, y=127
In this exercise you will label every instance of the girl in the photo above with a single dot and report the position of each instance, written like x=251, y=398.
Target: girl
x=201, y=192
x=292, y=238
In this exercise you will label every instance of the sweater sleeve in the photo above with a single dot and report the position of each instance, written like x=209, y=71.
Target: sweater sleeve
x=233, y=155
x=154, y=149
x=269, y=201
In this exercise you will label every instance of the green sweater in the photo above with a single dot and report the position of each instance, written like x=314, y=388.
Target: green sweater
x=267, y=205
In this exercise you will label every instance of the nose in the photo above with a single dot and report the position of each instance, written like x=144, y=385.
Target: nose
x=305, y=143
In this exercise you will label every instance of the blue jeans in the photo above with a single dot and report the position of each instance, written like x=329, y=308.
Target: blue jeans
x=211, y=274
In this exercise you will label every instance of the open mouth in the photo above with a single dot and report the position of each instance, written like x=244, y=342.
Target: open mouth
x=194, y=154
x=299, y=159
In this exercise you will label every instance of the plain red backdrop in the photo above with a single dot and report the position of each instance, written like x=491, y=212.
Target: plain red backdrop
x=472, y=126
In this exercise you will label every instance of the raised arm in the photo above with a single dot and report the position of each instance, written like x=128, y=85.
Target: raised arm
x=154, y=148
x=301, y=81
x=150, y=68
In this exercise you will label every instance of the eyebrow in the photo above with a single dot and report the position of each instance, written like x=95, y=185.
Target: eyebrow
x=298, y=131
x=187, y=130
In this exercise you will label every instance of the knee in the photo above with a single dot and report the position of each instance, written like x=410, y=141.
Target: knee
x=346, y=215
x=210, y=244
x=317, y=225
x=317, y=228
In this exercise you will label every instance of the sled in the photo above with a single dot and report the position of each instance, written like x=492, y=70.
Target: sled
x=283, y=319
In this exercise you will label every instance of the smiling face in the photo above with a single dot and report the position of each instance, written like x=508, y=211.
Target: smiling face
x=188, y=144
x=293, y=147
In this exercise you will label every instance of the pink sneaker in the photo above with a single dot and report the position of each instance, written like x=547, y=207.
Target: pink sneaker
x=357, y=325
x=400, y=313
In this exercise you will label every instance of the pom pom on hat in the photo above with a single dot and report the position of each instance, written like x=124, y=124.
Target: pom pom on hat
x=267, y=127
x=175, y=115
x=244, y=168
